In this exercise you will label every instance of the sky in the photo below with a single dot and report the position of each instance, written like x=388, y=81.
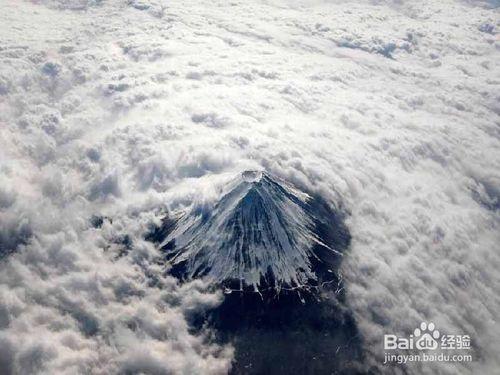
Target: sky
x=131, y=109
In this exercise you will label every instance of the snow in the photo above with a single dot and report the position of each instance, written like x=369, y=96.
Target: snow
x=259, y=229
x=129, y=109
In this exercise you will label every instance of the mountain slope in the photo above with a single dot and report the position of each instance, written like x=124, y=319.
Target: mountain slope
x=262, y=232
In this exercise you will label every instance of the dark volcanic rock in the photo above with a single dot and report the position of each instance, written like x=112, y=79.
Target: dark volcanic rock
x=275, y=251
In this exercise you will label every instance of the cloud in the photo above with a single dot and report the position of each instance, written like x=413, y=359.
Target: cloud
x=115, y=111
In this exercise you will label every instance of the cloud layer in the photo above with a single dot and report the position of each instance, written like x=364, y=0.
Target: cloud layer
x=125, y=109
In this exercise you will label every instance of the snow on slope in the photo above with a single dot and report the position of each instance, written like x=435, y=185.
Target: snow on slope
x=122, y=107
x=262, y=232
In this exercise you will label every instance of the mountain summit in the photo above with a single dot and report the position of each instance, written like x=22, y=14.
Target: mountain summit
x=261, y=233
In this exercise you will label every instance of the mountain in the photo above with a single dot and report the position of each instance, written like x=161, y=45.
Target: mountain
x=261, y=233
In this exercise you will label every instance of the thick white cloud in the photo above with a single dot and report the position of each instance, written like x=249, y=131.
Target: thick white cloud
x=126, y=108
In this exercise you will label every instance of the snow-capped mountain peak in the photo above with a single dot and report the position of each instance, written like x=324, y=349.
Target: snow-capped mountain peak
x=261, y=232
